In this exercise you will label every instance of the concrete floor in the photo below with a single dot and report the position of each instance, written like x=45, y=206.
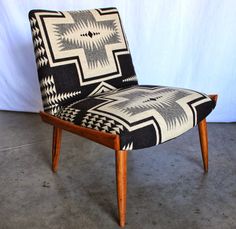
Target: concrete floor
x=167, y=188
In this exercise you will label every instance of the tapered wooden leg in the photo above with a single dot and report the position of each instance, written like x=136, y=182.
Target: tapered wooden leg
x=121, y=181
x=202, y=128
x=56, y=145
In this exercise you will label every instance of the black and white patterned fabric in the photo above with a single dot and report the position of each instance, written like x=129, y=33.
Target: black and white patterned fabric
x=87, y=77
x=79, y=53
x=142, y=115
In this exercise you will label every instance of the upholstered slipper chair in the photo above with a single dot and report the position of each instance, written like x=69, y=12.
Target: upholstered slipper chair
x=89, y=87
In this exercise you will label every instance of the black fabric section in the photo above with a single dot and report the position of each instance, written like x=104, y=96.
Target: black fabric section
x=141, y=138
x=79, y=117
x=127, y=67
x=66, y=81
x=213, y=104
x=88, y=103
x=65, y=77
x=32, y=12
x=108, y=8
x=204, y=109
x=127, y=70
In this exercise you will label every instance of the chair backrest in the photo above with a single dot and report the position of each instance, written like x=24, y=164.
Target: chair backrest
x=79, y=54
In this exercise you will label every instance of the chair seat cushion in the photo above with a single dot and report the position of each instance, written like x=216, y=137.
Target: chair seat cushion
x=143, y=116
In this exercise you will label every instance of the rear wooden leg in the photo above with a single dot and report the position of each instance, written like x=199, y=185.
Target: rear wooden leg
x=121, y=181
x=202, y=129
x=56, y=146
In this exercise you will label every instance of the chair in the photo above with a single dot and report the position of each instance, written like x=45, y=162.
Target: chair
x=89, y=87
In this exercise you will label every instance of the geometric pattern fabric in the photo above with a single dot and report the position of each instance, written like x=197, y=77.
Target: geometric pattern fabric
x=87, y=77
x=83, y=52
x=143, y=116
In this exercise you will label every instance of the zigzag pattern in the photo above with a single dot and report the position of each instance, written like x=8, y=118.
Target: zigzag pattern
x=68, y=114
x=50, y=96
x=132, y=78
x=40, y=53
x=52, y=109
x=129, y=146
x=42, y=61
x=101, y=123
x=47, y=86
x=102, y=87
x=37, y=41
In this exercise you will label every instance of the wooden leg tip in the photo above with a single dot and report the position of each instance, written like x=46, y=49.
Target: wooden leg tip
x=122, y=224
x=205, y=166
x=54, y=170
x=56, y=148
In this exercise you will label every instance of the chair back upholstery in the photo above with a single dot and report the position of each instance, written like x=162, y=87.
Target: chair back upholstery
x=79, y=54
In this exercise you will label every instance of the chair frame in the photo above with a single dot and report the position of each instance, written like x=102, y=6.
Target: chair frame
x=112, y=141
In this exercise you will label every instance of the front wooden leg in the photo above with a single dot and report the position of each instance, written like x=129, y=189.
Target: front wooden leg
x=56, y=146
x=121, y=181
x=202, y=129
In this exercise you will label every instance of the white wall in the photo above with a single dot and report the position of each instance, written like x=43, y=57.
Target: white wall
x=184, y=43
